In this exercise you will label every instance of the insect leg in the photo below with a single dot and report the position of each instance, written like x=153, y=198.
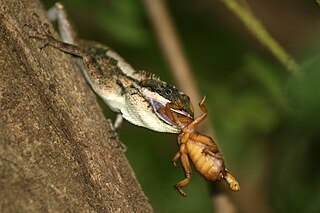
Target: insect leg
x=201, y=118
x=186, y=167
x=175, y=158
x=202, y=139
x=169, y=113
x=202, y=106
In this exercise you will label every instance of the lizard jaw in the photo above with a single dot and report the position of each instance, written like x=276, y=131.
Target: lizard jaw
x=156, y=106
x=159, y=100
x=181, y=112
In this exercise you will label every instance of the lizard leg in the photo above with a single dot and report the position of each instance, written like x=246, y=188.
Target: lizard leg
x=59, y=14
x=115, y=136
x=187, y=169
x=118, y=121
x=88, y=65
x=91, y=71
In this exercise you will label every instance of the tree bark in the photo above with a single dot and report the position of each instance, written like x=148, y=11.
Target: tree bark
x=57, y=151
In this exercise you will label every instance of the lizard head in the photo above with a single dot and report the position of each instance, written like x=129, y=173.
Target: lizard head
x=159, y=94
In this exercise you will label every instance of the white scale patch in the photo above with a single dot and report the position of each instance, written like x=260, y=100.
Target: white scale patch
x=137, y=114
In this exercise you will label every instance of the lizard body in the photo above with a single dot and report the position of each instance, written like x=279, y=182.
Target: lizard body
x=135, y=95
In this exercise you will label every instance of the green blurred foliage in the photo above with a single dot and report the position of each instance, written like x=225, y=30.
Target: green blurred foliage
x=298, y=180
x=266, y=121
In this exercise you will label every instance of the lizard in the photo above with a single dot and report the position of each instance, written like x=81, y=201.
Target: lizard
x=142, y=99
x=135, y=95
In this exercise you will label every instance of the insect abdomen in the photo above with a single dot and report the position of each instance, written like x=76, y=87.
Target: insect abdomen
x=210, y=166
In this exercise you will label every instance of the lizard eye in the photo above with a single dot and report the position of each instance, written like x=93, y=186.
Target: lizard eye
x=168, y=91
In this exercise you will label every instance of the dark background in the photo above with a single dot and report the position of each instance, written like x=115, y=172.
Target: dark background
x=267, y=123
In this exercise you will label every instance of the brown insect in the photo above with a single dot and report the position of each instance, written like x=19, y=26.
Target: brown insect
x=201, y=149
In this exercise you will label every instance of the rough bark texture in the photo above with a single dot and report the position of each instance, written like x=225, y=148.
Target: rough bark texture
x=57, y=152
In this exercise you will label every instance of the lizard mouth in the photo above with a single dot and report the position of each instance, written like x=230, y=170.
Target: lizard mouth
x=181, y=112
x=157, y=105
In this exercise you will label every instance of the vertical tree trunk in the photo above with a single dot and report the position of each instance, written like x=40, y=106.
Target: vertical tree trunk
x=57, y=152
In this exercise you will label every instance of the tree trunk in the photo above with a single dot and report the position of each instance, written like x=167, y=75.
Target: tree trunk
x=57, y=151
